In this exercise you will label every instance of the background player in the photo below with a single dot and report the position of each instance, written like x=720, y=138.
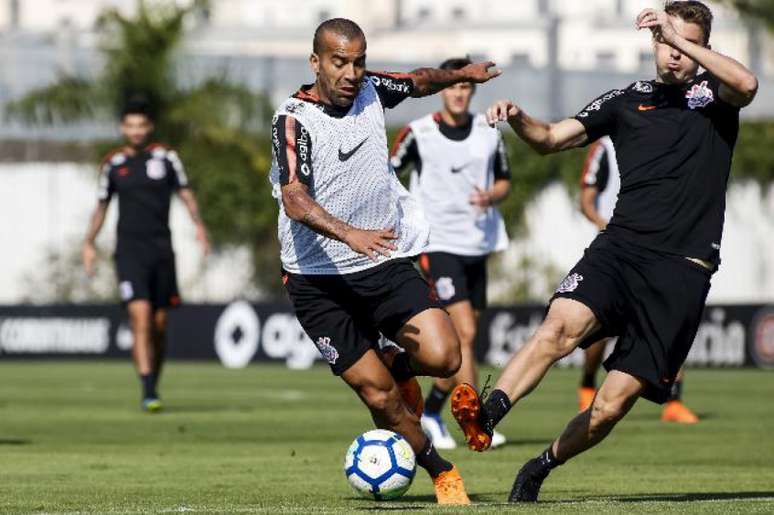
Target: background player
x=600, y=183
x=144, y=175
x=347, y=228
x=460, y=172
x=646, y=277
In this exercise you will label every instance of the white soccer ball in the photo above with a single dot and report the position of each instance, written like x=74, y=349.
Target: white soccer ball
x=380, y=465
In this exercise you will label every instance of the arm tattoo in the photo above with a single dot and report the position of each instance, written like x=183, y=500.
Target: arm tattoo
x=428, y=81
x=325, y=224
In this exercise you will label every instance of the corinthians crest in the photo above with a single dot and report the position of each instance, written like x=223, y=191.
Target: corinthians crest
x=328, y=351
x=570, y=283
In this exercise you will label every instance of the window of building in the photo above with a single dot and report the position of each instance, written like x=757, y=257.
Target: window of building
x=646, y=59
x=458, y=14
x=520, y=59
x=424, y=13
x=324, y=14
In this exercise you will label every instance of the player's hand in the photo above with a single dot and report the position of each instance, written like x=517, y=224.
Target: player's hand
x=204, y=240
x=480, y=198
x=371, y=243
x=659, y=24
x=501, y=111
x=481, y=72
x=88, y=257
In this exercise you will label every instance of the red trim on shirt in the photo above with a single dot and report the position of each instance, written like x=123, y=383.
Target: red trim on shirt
x=399, y=139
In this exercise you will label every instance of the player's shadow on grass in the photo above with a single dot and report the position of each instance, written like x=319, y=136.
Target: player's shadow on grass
x=15, y=441
x=410, y=502
x=517, y=442
x=687, y=497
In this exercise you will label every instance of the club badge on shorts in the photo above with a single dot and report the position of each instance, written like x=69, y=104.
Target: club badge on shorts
x=155, y=169
x=444, y=286
x=327, y=351
x=570, y=283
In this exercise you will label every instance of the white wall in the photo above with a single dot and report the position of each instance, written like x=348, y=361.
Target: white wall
x=46, y=207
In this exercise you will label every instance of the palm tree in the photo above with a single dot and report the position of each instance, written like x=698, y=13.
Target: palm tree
x=215, y=125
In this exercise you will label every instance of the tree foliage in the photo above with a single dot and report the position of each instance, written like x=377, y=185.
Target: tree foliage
x=215, y=125
x=759, y=10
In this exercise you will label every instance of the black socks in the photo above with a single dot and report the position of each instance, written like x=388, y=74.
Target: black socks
x=149, y=385
x=547, y=460
x=429, y=459
x=676, y=392
x=401, y=367
x=589, y=380
x=494, y=409
x=434, y=401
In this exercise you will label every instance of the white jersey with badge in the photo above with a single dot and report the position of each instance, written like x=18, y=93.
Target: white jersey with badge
x=352, y=181
x=451, y=171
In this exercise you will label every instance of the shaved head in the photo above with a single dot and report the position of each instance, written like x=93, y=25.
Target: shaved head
x=341, y=27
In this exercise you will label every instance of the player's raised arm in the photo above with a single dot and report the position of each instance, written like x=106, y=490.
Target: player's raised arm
x=544, y=137
x=738, y=85
x=428, y=81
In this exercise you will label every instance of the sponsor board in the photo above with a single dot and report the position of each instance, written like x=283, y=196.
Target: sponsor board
x=242, y=333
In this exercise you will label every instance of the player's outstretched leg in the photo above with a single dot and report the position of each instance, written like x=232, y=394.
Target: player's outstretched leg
x=592, y=359
x=140, y=315
x=567, y=323
x=377, y=388
x=614, y=399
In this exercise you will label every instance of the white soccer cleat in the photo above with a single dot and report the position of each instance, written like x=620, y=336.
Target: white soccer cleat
x=435, y=429
x=498, y=439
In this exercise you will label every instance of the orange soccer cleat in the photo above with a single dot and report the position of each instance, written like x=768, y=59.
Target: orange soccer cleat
x=585, y=397
x=466, y=407
x=676, y=411
x=449, y=488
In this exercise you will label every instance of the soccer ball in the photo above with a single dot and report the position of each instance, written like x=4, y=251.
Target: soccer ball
x=380, y=465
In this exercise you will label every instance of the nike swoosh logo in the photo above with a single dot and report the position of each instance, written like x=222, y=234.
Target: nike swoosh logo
x=645, y=108
x=458, y=170
x=343, y=156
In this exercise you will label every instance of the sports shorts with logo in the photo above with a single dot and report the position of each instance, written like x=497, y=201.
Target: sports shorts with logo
x=345, y=314
x=146, y=271
x=651, y=300
x=456, y=278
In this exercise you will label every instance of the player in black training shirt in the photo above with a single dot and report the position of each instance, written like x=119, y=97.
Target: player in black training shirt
x=143, y=175
x=646, y=277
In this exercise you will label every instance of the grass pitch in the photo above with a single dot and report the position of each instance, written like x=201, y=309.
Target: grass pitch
x=269, y=440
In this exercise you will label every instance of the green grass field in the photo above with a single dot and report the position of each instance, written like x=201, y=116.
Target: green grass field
x=269, y=440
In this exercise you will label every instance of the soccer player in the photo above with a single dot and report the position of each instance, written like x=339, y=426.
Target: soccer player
x=347, y=229
x=646, y=277
x=143, y=175
x=600, y=182
x=459, y=173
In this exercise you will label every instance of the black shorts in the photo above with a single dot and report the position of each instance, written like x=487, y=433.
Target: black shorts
x=651, y=300
x=146, y=271
x=345, y=314
x=455, y=278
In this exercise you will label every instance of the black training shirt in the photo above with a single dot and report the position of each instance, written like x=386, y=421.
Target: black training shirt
x=674, y=146
x=144, y=181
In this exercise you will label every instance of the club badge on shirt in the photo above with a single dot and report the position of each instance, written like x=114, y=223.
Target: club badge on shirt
x=156, y=169
x=700, y=95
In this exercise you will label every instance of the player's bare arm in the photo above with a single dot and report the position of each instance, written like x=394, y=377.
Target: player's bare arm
x=739, y=85
x=301, y=207
x=543, y=137
x=588, y=199
x=89, y=251
x=189, y=199
x=428, y=81
x=492, y=196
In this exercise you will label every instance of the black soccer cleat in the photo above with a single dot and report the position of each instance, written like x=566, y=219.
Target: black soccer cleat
x=526, y=486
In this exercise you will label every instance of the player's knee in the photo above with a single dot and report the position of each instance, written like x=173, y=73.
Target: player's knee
x=606, y=413
x=381, y=400
x=466, y=334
